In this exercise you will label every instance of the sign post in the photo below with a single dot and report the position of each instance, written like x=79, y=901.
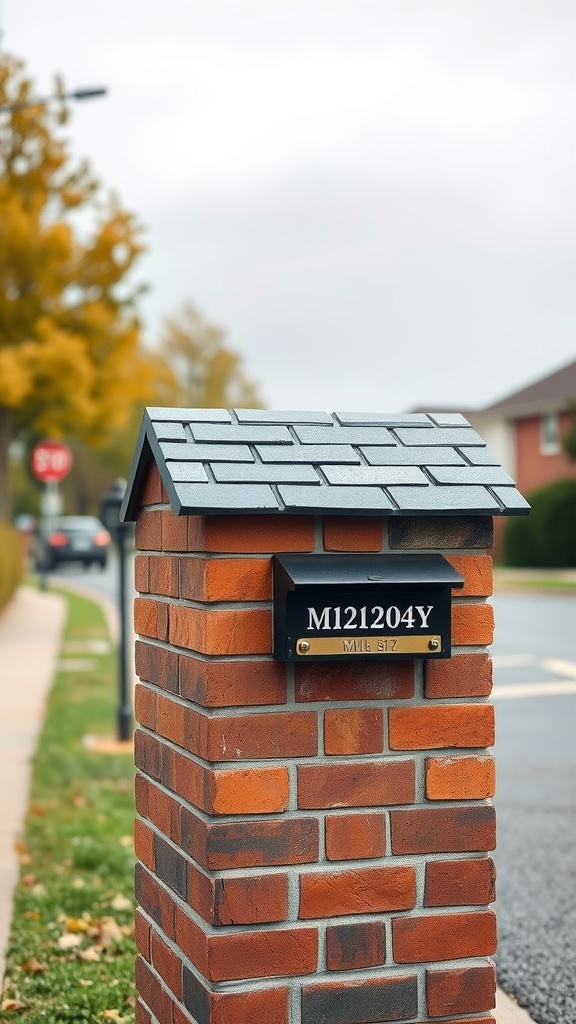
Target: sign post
x=51, y=461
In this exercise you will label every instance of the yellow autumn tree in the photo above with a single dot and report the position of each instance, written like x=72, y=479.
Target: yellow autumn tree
x=70, y=358
x=197, y=369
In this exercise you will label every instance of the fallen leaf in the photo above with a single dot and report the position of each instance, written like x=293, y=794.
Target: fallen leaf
x=126, y=929
x=38, y=890
x=28, y=880
x=109, y=932
x=78, y=883
x=25, y=859
x=76, y=924
x=126, y=840
x=69, y=940
x=32, y=915
x=84, y=981
x=12, y=1005
x=33, y=966
x=91, y=955
x=79, y=801
x=112, y=1015
x=130, y=1001
x=121, y=902
x=37, y=811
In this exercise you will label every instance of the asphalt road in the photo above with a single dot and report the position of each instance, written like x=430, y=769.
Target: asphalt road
x=535, y=695
x=535, y=659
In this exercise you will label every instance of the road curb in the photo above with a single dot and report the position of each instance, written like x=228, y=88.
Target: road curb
x=508, y=1012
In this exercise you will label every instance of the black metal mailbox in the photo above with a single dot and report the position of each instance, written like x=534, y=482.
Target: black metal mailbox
x=359, y=607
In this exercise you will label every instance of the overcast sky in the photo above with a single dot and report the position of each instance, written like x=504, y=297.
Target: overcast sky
x=376, y=198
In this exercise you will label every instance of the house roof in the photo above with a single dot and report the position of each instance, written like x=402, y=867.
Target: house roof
x=556, y=387
x=214, y=461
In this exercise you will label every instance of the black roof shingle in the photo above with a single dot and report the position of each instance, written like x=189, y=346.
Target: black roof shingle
x=255, y=460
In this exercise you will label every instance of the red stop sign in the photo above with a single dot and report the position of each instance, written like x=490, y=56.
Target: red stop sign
x=51, y=461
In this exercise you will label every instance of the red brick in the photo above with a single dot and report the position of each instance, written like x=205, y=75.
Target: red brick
x=477, y=573
x=355, y=836
x=164, y=812
x=221, y=684
x=463, y=990
x=141, y=787
x=358, y=891
x=157, y=665
x=174, y=531
x=361, y=784
x=463, y=675
x=352, y=533
x=167, y=964
x=460, y=883
x=163, y=575
x=245, y=631
x=435, y=726
x=237, y=737
x=354, y=731
x=262, y=954
x=258, y=534
x=443, y=937
x=144, y=843
x=142, y=1014
x=150, y=990
x=337, y=681
x=155, y=900
x=247, y=791
x=270, y=1004
x=227, y=790
x=354, y=946
x=375, y=999
x=142, y=934
x=141, y=576
x=145, y=706
x=148, y=533
x=242, y=844
x=152, y=493
x=259, y=899
x=185, y=777
x=148, y=754
x=151, y=618
x=460, y=778
x=282, y=734
x=256, y=1006
x=226, y=579
x=463, y=829
x=171, y=719
x=192, y=940
x=472, y=624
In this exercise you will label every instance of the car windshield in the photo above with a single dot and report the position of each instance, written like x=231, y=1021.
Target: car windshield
x=83, y=524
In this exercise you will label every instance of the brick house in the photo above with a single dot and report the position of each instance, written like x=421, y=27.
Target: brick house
x=525, y=429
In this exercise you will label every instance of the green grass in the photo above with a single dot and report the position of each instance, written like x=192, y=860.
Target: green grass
x=537, y=583
x=71, y=950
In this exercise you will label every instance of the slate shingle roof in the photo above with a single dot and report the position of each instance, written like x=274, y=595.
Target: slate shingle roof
x=255, y=460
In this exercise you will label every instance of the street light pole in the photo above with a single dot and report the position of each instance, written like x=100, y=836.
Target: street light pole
x=75, y=94
x=110, y=515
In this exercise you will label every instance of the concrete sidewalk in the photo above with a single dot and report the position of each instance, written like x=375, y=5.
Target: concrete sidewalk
x=30, y=634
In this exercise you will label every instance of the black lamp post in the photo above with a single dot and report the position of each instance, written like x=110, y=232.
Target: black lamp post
x=110, y=515
x=89, y=93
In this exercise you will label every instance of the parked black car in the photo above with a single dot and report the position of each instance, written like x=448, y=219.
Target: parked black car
x=72, y=539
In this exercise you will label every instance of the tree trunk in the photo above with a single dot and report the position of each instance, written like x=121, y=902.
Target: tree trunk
x=5, y=438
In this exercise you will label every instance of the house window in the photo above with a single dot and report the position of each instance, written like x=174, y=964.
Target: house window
x=549, y=434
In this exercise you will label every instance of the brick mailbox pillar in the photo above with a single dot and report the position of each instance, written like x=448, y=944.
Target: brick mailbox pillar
x=313, y=837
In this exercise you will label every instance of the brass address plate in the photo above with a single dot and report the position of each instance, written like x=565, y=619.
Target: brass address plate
x=368, y=645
